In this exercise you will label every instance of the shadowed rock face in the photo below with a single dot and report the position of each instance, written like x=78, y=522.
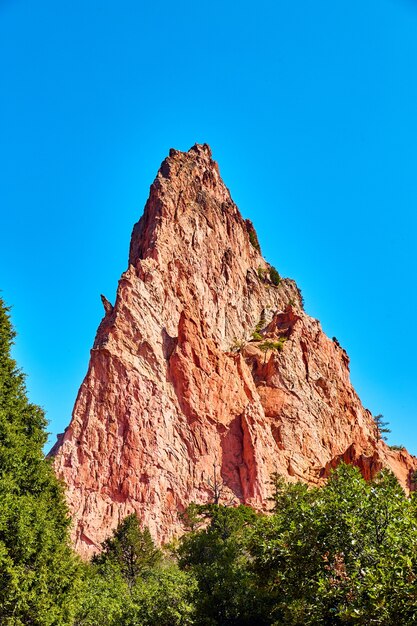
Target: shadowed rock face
x=176, y=383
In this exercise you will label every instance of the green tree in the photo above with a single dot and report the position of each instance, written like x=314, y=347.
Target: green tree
x=131, y=584
x=274, y=276
x=253, y=237
x=131, y=549
x=381, y=427
x=268, y=345
x=218, y=558
x=38, y=573
x=104, y=596
x=342, y=554
x=162, y=597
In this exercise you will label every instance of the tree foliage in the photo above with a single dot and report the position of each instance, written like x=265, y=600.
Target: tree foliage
x=381, y=427
x=130, y=549
x=131, y=584
x=274, y=276
x=38, y=573
x=343, y=554
x=217, y=556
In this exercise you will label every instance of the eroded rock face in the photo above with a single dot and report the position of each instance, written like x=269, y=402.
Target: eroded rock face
x=176, y=383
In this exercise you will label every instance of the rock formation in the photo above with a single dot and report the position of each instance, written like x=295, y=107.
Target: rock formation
x=206, y=365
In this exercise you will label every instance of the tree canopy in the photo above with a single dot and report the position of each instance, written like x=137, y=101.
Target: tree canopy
x=38, y=572
x=131, y=583
x=345, y=553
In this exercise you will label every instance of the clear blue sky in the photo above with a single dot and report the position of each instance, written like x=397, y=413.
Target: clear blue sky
x=311, y=111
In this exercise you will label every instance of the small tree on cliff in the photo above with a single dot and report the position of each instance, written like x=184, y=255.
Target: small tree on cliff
x=268, y=345
x=381, y=428
x=37, y=568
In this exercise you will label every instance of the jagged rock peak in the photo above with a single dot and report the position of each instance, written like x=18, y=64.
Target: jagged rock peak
x=186, y=182
x=206, y=357
x=194, y=238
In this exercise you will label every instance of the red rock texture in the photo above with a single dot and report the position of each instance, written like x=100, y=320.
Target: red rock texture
x=176, y=384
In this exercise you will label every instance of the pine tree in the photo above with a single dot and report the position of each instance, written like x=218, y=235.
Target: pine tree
x=381, y=427
x=37, y=568
x=130, y=549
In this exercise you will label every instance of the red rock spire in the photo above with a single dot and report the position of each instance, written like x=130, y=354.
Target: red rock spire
x=203, y=358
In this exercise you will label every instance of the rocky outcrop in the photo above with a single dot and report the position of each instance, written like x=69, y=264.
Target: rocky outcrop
x=206, y=363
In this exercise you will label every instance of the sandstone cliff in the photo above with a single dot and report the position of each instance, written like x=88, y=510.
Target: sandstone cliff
x=205, y=365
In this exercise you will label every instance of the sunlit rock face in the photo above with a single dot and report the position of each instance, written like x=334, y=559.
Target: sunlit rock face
x=177, y=387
